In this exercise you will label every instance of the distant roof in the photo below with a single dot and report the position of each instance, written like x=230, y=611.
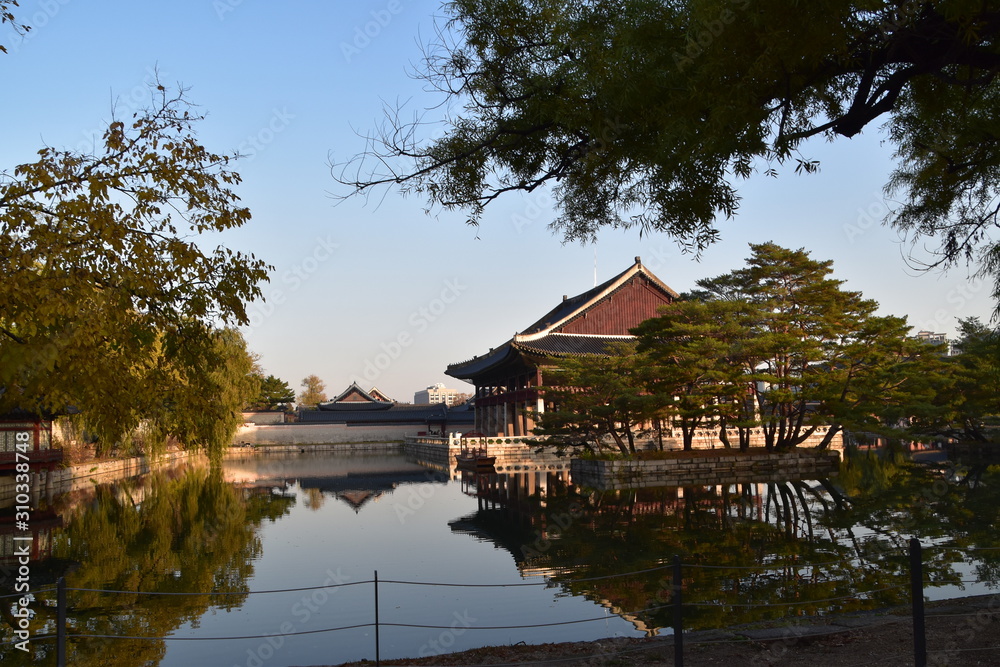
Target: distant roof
x=395, y=413
x=375, y=393
x=356, y=398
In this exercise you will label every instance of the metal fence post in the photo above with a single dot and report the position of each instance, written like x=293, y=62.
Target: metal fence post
x=377, y=656
x=61, y=622
x=917, y=596
x=678, y=616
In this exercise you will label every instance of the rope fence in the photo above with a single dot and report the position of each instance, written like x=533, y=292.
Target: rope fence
x=676, y=603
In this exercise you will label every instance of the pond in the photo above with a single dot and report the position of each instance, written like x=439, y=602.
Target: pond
x=273, y=559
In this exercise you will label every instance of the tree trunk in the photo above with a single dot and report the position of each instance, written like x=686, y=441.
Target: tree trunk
x=723, y=436
x=618, y=439
x=828, y=438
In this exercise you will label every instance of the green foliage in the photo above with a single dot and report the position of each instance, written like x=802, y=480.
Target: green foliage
x=696, y=349
x=163, y=534
x=275, y=394
x=780, y=346
x=201, y=405
x=777, y=346
x=313, y=392
x=645, y=114
x=110, y=302
x=598, y=401
x=966, y=396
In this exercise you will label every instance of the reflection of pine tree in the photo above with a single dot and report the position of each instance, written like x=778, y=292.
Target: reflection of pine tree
x=782, y=528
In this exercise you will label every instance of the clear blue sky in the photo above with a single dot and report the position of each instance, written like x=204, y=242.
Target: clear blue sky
x=386, y=294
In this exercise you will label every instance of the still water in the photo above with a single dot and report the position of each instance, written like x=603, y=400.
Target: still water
x=291, y=546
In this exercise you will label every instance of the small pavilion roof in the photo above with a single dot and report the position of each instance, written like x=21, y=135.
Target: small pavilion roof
x=363, y=400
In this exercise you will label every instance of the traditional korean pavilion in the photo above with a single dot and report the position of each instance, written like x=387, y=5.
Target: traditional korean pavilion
x=506, y=378
x=356, y=398
x=356, y=407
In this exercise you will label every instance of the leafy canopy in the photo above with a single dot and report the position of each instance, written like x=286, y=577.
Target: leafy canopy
x=275, y=394
x=108, y=283
x=645, y=114
x=313, y=392
x=599, y=401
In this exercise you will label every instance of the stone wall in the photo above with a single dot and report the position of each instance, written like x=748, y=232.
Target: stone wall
x=709, y=439
x=63, y=480
x=264, y=417
x=345, y=447
x=313, y=434
x=672, y=440
x=726, y=467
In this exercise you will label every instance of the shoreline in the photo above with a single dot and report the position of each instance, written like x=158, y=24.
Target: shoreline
x=960, y=631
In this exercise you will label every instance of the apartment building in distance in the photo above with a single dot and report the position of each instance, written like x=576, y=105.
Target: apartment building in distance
x=436, y=393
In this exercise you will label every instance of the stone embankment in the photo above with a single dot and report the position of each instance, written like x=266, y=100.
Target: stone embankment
x=512, y=454
x=706, y=469
x=63, y=480
x=320, y=434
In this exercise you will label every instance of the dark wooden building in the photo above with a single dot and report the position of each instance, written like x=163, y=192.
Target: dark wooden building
x=506, y=378
x=27, y=437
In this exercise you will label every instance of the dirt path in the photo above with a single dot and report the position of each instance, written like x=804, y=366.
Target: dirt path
x=959, y=632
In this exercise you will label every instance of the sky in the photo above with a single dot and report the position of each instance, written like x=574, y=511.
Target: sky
x=378, y=291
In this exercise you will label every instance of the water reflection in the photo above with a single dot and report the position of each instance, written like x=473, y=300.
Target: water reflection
x=355, y=479
x=750, y=551
x=165, y=533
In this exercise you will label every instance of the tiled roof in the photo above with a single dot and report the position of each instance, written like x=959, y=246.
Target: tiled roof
x=574, y=306
x=541, y=338
x=353, y=406
x=474, y=366
x=556, y=344
x=354, y=387
x=395, y=414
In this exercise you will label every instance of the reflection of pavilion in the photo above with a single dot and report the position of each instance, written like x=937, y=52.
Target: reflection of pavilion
x=357, y=489
x=37, y=539
x=356, y=479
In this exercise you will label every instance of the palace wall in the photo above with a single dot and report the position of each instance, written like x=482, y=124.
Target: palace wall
x=316, y=434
